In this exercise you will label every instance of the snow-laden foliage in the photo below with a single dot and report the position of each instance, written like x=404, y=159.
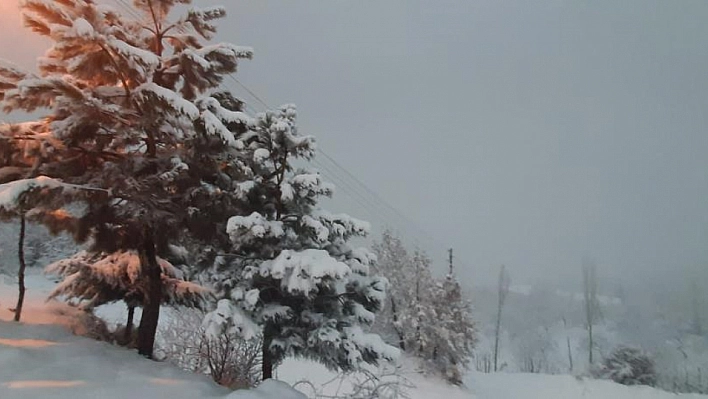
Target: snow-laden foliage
x=628, y=366
x=455, y=332
x=292, y=275
x=427, y=317
x=99, y=279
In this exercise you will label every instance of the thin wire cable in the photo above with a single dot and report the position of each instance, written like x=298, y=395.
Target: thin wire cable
x=364, y=207
x=129, y=9
x=383, y=202
x=355, y=195
x=377, y=198
x=249, y=91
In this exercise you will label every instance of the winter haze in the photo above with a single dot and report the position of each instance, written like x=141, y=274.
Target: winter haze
x=526, y=134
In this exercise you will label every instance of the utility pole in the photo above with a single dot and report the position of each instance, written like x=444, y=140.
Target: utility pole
x=450, y=259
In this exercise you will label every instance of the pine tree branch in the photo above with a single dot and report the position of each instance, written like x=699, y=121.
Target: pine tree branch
x=158, y=31
x=118, y=70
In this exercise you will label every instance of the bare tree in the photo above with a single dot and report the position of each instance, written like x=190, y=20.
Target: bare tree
x=386, y=383
x=502, y=292
x=228, y=359
x=592, y=306
x=567, y=341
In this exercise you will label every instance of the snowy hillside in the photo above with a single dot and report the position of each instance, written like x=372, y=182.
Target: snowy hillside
x=41, y=359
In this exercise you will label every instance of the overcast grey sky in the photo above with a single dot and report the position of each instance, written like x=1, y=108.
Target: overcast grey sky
x=524, y=133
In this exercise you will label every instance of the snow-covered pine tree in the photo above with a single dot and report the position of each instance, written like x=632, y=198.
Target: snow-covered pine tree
x=410, y=298
x=216, y=168
x=422, y=337
x=393, y=262
x=455, y=334
x=122, y=98
x=300, y=284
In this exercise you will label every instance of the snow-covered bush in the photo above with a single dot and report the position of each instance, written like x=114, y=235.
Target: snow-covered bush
x=387, y=382
x=628, y=366
x=228, y=359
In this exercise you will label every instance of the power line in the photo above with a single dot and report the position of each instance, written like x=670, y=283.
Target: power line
x=376, y=198
x=127, y=8
x=249, y=91
x=352, y=192
x=382, y=201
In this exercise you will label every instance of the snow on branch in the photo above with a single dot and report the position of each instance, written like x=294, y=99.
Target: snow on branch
x=99, y=278
x=303, y=271
x=310, y=184
x=137, y=59
x=13, y=195
x=227, y=317
x=200, y=19
x=255, y=226
x=10, y=75
x=176, y=102
x=214, y=126
x=342, y=225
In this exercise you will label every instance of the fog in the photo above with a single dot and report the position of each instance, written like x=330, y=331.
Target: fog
x=530, y=134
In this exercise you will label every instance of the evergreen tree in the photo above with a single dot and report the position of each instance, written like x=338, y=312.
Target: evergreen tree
x=454, y=331
x=299, y=284
x=393, y=262
x=124, y=101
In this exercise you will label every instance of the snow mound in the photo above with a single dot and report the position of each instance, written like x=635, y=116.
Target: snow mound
x=41, y=358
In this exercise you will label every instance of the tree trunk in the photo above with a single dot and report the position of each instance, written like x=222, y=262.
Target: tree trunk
x=129, y=325
x=590, y=344
x=497, y=331
x=570, y=354
x=21, y=273
x=267, y=364
x=151, y=309
x=401, y=337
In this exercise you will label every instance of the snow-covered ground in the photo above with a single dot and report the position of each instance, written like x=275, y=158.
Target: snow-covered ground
x=41, y=358
x=488, y=386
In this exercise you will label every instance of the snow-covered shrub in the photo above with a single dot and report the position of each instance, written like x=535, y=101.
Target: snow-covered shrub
x=228, y=359
x=628, y=366
x=387, y=382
